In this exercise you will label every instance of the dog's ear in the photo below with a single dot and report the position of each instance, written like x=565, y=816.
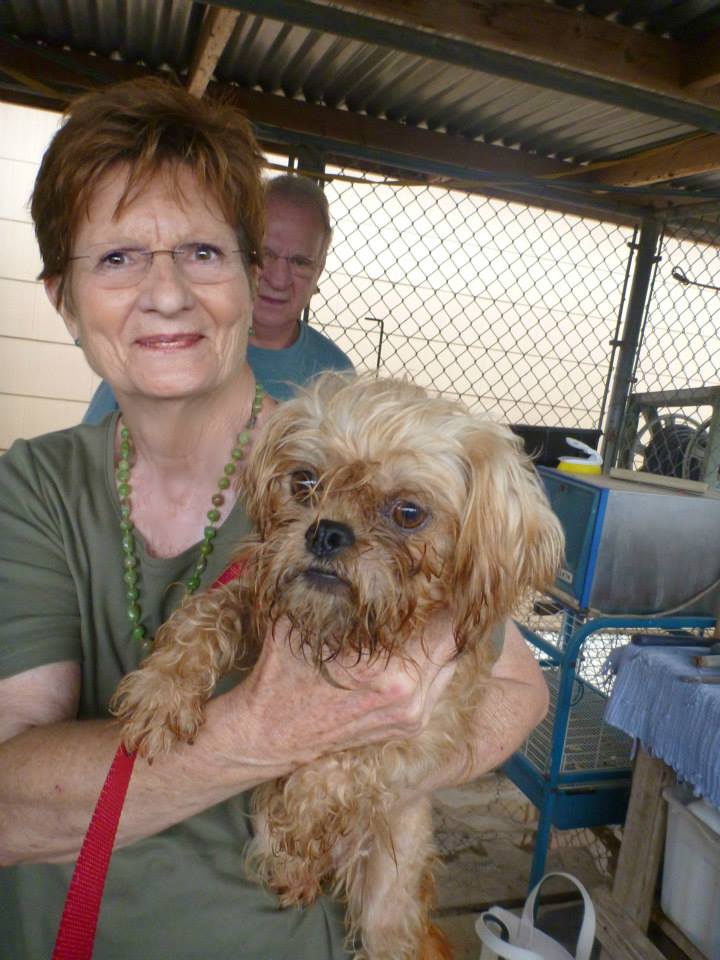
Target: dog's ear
x=510, y=540
x=292, y=435
x=266, y=466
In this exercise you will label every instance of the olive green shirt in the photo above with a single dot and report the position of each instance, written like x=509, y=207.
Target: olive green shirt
x=181, y=894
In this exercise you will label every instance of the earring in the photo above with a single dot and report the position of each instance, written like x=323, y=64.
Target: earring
x=77, y=341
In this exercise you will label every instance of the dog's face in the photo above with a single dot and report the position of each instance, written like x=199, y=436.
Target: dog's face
x=377, y=505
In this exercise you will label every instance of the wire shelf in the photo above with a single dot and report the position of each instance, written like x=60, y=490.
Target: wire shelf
x=591, y=744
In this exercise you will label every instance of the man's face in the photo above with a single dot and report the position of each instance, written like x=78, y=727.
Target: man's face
x=293, y=262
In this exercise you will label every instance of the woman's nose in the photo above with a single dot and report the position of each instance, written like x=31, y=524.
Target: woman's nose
x=164, y=287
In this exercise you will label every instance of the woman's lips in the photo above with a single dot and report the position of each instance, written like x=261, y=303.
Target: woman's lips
x=169, y=341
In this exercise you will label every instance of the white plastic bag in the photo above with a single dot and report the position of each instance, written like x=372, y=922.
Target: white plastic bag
x=520, y=940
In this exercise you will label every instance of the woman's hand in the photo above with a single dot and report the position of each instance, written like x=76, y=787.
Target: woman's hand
x=291, y=712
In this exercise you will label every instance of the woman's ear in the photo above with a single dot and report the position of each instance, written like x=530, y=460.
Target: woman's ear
x=53, y=291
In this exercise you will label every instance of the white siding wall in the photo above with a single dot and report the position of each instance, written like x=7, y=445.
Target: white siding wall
x=45, y=383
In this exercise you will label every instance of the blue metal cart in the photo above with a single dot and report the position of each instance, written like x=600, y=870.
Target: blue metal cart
x=638, y=558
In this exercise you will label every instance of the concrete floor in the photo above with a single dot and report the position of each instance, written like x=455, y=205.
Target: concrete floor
x=485, y=834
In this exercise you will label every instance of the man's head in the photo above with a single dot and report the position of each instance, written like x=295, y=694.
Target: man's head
x=297, y=237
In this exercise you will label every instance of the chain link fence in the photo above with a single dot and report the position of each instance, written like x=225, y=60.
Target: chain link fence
x=518, y=311
x=672, y=424
x=511, y=308
x=681, y=337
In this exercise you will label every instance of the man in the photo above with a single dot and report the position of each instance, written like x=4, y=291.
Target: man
x=282, y=350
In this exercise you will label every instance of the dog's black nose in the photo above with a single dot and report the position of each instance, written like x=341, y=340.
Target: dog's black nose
x=328, y=537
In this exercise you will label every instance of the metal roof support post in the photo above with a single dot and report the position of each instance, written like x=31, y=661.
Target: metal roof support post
x=647, y=257
x=309, y=160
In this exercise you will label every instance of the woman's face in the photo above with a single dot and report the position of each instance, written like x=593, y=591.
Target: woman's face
x=165, y=332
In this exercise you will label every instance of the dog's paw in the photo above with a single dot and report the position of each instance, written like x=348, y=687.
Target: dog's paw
x=295, y=882
x=300, y=895
x=154, y=713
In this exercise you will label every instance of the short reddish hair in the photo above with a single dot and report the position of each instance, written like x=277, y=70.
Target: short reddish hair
x=149, y=125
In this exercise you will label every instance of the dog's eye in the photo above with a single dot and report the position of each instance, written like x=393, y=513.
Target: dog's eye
x=303, y=484
x=407, y=515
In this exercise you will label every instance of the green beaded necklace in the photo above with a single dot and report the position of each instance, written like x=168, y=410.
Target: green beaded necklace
x=124, y=489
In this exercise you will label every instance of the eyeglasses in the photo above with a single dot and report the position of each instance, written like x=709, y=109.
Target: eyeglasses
x=299, y=266
x=117, y=267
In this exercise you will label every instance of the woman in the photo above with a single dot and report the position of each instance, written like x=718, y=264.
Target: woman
x=147, y=209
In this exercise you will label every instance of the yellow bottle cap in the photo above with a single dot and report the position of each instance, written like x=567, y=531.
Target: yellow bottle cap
x=569, y=466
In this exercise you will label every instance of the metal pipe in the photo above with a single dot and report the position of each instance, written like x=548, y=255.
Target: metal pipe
x=308, y=160
x=616, y=341
x=381, y=325
x=647, y=257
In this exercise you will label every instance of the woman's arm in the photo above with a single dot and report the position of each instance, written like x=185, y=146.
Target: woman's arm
x=52, y=766
x=514, y=703
x=284, y=714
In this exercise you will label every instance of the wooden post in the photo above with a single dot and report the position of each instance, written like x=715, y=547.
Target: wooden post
x=643, y=840
x=624, y=914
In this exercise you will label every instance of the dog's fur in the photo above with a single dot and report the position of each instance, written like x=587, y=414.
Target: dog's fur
x=374, y=506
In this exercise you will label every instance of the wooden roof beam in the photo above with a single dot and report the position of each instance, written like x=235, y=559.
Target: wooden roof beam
x=684, y=158
x=65, y=73
x=702, y=64
x=387, y=136
x=217, y=27
x=459, y=163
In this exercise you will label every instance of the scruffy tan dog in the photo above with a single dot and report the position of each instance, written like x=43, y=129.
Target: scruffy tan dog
x=374, y=506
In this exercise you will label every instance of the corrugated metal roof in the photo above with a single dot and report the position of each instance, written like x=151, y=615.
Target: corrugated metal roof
x=155, y=32
x=373, y=78
x=381, y=82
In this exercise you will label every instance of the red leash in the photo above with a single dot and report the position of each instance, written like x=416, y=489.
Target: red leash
x=78, y=924
x=76, y=934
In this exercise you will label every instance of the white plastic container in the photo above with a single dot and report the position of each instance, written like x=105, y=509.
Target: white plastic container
x=691, y=873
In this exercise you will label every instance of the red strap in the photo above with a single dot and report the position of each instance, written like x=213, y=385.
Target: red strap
x=76, y=933
x=232, y=573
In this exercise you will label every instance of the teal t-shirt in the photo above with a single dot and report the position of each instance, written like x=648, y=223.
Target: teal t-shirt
x=181, y=894
x=279, y=371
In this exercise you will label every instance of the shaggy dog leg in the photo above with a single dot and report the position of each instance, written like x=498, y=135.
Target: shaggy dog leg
x=390, y=899
x=334, y=824
x=163, y=701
